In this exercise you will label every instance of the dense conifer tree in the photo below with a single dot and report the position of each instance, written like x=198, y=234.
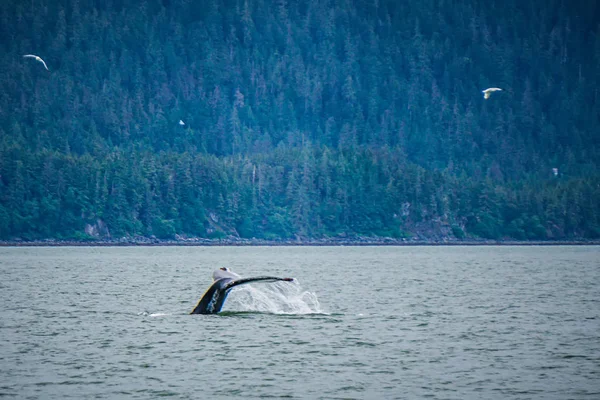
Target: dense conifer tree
x=303, y=119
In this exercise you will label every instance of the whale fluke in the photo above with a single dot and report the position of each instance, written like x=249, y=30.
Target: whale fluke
x=213, y=299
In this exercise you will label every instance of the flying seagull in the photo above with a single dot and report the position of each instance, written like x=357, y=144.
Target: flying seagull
x=36, y=59
x=488, y=92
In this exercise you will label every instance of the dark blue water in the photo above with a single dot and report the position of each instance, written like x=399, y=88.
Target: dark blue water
x=363, y=322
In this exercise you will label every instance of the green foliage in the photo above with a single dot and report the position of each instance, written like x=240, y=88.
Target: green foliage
x=486, y=226
x=535, y=229
x=304, y=120
x=246, y=229
x=163, y=228
x=593, y=232
x=4, y=223
x=458, y=232
x=516, y=229
x=279, y=225
x=82, y=237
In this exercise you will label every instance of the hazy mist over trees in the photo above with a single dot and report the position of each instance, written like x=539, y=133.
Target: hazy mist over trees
x=303, y=119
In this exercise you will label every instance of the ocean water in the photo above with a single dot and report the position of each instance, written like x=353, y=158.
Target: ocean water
x=505, y=322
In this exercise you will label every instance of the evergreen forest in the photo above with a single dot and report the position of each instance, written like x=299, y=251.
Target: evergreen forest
x=299, y=119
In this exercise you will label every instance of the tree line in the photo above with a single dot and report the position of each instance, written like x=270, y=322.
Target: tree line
x=303, y=119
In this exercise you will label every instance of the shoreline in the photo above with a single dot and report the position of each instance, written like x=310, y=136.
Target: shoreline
x=137, y=242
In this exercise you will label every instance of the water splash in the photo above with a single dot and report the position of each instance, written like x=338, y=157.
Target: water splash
x=276, y=298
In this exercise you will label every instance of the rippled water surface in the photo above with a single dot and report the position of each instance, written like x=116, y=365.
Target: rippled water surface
x=363, y=322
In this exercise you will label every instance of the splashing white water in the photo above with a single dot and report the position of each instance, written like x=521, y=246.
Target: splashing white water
x=276, y=298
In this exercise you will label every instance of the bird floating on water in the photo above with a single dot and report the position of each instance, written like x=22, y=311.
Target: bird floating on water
x=488, y=92
x=181, y=122
x=37, y=59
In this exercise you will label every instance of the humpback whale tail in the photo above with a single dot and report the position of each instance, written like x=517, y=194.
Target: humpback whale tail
x=213, y=299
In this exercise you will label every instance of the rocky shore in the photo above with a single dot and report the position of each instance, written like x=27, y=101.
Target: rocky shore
x=233, y=241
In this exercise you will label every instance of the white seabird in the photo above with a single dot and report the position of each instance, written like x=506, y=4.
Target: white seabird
x=37, y=59
x=488, y=92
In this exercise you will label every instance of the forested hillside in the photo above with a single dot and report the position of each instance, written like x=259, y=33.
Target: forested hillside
x=299, y=119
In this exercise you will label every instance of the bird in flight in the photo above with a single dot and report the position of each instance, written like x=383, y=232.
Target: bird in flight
x=488, y=92
x=37, y=59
